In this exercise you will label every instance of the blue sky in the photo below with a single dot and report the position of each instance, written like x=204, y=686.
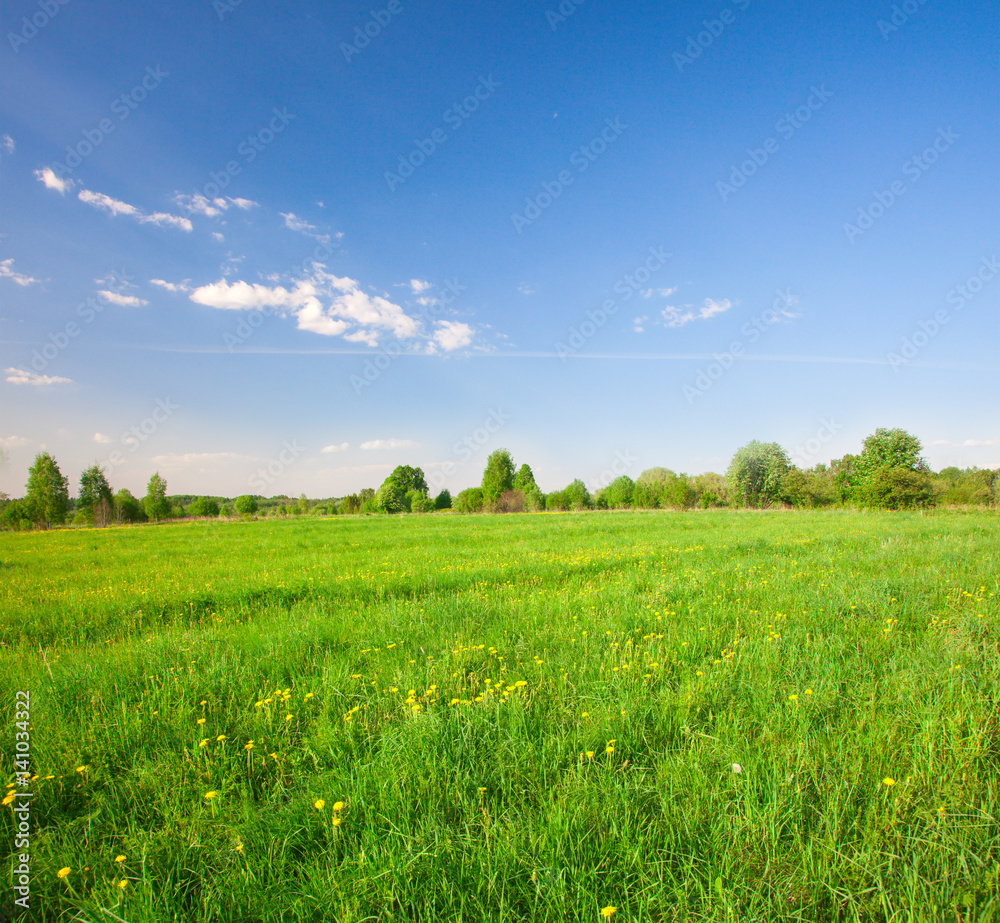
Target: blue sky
x=282, y=248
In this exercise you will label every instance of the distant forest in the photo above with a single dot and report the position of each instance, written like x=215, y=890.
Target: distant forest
x=888, y=473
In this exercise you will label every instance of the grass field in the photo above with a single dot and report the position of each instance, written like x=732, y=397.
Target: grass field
x=718, y=716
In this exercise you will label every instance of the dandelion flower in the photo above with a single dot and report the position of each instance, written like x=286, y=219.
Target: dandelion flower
x=590, y=754
x=203, y=743
x=338, y=806
x=888, y=780
x=82, y=768
x=482, y=789
x=8, y=798
x=210, y=795
x=319, y=804
x=63, y=872
x=248, y=745
x=335, y=822
x=609, y=749
x=201, y=721
x=203, y=702
x=793, y=697
x=309, y=695
x=221, y=737
x=123, y=884
x=607, y=912
x=119, y=858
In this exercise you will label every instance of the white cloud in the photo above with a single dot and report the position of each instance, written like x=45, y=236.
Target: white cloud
x=390, y=444
x=7, y=272
x=116, y=207
x=968, y=444
x=13, y=442
x=332, y=449
x=526, y=288
x=665, y=292
x=198, y=204
x=452, y=335
x=218, y=236
x=638, y=322
x=7, y=143
x=102, y=439
x=294, y=223
x=200, y=458
x=51, y=181
x=126, y=301
x=419, y=285
x=23, y=377
x=171, y=286
x=675, y=317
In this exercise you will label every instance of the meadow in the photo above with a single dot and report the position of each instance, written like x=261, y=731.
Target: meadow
x=713, y=716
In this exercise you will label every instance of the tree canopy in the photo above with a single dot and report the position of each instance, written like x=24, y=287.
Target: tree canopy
x=47, y=492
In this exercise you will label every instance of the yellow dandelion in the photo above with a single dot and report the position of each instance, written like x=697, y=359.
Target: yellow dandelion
x=609, y=749
x=793, y=697
x=63, y=872
x=248, y=745
x=482, y=789
x=82, y=768
x=288, y=717
x=607, y=912
x=123, y=884
x=590, y=754
x=210, y=795
x=338, y=806
x=309, y=695
x=201, y=721
x=221, y=737
x=119, y=859
x=8, y=798
x=809, y=692
x=889, y=781
x=203, y=742
x=335, y=822
x=203, y=702
x=319, y=804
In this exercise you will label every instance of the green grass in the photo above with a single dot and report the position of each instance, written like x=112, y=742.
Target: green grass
x=822, y=653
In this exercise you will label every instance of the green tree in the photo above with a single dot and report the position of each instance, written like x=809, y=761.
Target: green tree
x=498, y=476
x=470, y=500
x=407, y=478
x=651, y=488
x=95, y=498
x=619, y=493
x=303, y=504
x=524, y=480
x=246, y=505
x=756, y=472
x=898, y=487
x=127, y=508
x=157, y=506
x=443, y=500
x=417, y=501
x=204, y=506
x=885, y=448
x=47, y=492
x=389, y=498
x=578, y=496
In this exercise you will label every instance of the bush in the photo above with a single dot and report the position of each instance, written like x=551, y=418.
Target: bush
x=470, y=500
x=898, y=488
x=443, y=500
x=510, y=501
x=204, y=506
x=389, y=498
x=246, y=505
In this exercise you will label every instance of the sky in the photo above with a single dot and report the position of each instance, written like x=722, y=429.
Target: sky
x=282, y=248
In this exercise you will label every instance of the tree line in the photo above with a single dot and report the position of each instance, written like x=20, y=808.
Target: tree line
x=888, y=473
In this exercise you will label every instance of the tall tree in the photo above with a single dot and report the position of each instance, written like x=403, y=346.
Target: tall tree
x=156, y=503
x=756, y=472
x=524, y=480
x=498, y=476
x=47, y=492
x=95, y=498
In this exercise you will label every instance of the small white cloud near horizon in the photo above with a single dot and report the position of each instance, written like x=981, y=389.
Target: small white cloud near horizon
x=968, y=444
x=51, y=181
x=378, y=444
x=200, y=458
x=638, y=322
x=172, y=286
x=332, y=449
x=452, y=335
x=13, y=442
x=102, y=439
x=7, y=272
x=126, y=301
x=7, y=143
x=675, y=317
x=24, y=377
x=198, y=204
x=116, y=207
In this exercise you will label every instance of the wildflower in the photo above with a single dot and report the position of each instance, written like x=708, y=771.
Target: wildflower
x=8, y=798
x=338, y=806
x=607, y=912
x=63, y=872
x=204, y=742
x=221, y=737
x=123, y=884
x=239, y=845
x=809, y=692
x=203, y=702
x=319, y=804
x=309, y=695
x=119, y=859
x=889, y=781
x=482, y=789
x=201, y=721
x=737, y=768
x=210, y=795
x=335, y=822
x=288, y=717
x=609, y=749
x=590, y=754
x=248, y=745
x=82, y=768
x=793, y=697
